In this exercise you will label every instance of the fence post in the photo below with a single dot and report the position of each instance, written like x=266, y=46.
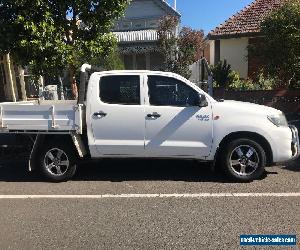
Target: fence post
x=210, y=85
x=41, y=88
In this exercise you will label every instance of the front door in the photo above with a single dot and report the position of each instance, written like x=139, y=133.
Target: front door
x=175, y=126
x=117, y=116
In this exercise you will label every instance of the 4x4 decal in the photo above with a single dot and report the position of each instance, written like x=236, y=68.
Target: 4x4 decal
x=203, y=118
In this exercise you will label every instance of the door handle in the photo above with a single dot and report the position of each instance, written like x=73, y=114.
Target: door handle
x=100, y=114
x=154, y=115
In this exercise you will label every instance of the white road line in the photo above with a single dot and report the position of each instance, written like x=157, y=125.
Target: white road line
x=118, y=196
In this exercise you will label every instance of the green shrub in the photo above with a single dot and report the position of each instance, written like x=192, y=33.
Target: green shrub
x=262, y=83
x=240, y=84
x=221, y=72
x=265, y=82
x=227, y=78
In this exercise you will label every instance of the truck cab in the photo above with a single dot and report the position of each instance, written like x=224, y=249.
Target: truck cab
x=147, y=114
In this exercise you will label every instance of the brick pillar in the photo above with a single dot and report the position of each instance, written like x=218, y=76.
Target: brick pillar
x=255, y=63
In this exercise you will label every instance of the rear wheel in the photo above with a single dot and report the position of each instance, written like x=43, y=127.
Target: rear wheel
x=243, y=160
x=57, y=162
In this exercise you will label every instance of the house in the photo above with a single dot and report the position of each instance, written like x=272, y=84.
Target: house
x=137, y=33
x=231, y=39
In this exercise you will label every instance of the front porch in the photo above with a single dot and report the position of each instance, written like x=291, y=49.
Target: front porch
x=140, y=50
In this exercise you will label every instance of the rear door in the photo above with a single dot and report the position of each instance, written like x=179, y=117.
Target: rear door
x=174, y=125
x=117, y=116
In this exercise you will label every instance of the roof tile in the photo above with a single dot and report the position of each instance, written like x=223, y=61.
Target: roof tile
x=247, y=21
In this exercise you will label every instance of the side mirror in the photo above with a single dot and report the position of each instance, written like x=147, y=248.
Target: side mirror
x=202, y=102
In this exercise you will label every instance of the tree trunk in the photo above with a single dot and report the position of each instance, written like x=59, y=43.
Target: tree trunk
x=72, y=80
x=11, y=78
x=22, y=83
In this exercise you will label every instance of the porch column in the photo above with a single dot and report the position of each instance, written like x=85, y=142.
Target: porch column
x=134, y=61
x=148, y=63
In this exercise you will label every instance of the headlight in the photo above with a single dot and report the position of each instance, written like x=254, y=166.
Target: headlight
x=278, y=120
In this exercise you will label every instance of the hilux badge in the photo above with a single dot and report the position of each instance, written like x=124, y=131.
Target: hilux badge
x=204, y=118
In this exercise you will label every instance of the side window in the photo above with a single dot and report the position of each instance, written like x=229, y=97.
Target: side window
x=167, y=91
x=122, y=89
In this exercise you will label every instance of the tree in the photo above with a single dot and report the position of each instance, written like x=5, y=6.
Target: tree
x=113, y=60
x=167, y=35
x=50, y=36
x=222, y=74
x=180, y=50
x=280, y=48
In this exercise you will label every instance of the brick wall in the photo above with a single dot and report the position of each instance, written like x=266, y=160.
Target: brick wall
x=287, y=101
x=255, y=63
x=206, y=52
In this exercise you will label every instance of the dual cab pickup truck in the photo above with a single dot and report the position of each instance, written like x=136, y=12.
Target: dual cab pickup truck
x=145, y=114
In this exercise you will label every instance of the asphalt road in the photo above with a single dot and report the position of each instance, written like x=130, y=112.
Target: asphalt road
x=144, y=222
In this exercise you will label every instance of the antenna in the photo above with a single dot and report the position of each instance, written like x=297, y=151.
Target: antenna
x=175, y=4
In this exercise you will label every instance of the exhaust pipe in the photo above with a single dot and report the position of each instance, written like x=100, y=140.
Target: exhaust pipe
x=82, y=85
x=85, y=68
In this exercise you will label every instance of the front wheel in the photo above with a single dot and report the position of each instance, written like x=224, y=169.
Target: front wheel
x=57, y=162
x=243, y=160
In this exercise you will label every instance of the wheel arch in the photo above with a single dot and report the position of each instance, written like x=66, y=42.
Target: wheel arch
x=261, y=140
x=43, y=139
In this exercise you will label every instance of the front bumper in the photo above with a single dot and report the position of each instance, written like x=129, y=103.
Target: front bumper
x=295, y=147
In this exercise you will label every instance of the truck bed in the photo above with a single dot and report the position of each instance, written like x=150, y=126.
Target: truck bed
x=41, y=116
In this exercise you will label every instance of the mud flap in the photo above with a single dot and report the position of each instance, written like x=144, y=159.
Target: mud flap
x=81, y=150
x=32, y=159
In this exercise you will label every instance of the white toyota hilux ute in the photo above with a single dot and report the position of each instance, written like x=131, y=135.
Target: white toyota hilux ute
x=150, y=114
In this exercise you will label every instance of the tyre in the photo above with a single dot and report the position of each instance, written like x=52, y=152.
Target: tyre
x=243, y=160
x=57, y=162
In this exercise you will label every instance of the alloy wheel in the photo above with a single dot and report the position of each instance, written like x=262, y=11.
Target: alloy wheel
x=56, y=162
x=244, y=160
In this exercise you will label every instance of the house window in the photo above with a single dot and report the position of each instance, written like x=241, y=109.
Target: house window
x=153, y=24
x=126, y=25
x=139, y=25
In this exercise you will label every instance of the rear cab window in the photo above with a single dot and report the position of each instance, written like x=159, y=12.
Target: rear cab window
x=120, y=89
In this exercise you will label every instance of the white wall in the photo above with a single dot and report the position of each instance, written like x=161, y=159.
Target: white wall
x=235, y=52
x=212, y=52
